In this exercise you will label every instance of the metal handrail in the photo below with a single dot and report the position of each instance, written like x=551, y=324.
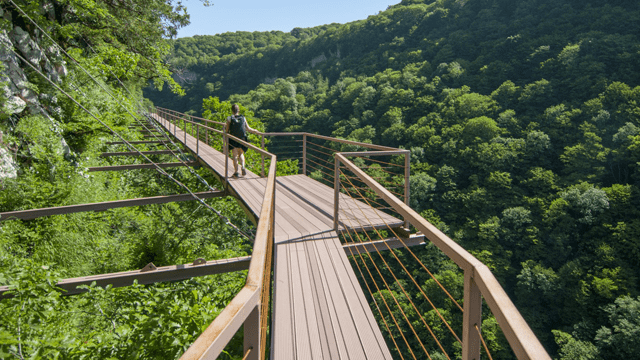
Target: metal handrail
x=249, y=306
x=479, y=282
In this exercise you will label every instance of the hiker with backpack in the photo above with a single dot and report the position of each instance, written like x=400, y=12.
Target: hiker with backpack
x=237, y=126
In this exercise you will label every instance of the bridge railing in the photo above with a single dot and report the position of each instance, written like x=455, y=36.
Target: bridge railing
x=250, y=306
x=479, y=284
x=315, y=154
x=325, y=161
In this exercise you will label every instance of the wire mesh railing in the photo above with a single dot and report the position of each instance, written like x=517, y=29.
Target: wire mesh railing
x=424, y=313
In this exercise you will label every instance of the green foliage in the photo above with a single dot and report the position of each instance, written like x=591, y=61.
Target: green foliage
x=524, y=142
x=117, y=43
x=619, y=340
x=521, y=117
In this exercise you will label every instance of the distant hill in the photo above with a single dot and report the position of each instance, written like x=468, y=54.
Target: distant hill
x=524, y=126
x=493, y=41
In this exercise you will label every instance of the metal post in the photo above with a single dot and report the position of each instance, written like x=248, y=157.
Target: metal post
x=262, y=147
x=184, y=122
x=407, y=174
x=198, y=141
x=336, y=194
x=225, y=145
x=206, y=135
x=304, y=154
x=472, y=317
x=252, y=334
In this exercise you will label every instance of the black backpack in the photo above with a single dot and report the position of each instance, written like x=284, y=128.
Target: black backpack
x=237, y=126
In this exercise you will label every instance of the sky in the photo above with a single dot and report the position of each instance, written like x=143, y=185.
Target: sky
x=267, y=15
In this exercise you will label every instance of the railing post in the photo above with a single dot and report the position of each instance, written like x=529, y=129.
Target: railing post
x=225, y=145
x=184, y=122
x=336, y=194
x=198, y=141
x=472, y=317
x=262, y=147
x=304, y=154
x=407, y=174
x=252, y=335
x=206, y=133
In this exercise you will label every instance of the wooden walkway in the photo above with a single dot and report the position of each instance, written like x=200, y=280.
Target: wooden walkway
x=319, y=309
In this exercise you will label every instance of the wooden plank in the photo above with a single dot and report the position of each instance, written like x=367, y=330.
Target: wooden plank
x=336, y=309
x=319, y=220
x=354, y=299
x=310, y=300
x=317, y=195
x=61, y=210
x=327, y=340
x=142, y=166
x=372, y=339
x=300, y=324
x=161, y=274
x=282, y=337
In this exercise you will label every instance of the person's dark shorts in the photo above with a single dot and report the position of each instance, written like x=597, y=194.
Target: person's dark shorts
x=234, y=144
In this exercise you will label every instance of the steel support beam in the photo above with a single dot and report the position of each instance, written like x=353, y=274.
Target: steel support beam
x=160, y=274
x=136, y=142
x=136, y=153
x=380, y=245
x=61, y=210
x=142, y=166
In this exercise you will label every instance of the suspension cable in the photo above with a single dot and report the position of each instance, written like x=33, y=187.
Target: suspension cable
x=227, y=221
x=133, y=148
x=412, y=278
x=384, y=300
x=425, y=268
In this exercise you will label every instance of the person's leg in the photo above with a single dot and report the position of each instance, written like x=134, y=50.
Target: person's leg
x=235, y=152
x=244, y=171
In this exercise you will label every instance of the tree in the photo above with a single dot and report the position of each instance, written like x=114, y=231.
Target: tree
x=619, y=339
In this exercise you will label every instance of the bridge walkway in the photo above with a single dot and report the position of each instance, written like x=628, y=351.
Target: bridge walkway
x=319, y=308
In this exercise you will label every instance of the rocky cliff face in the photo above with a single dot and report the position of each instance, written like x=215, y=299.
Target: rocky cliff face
x=17, y=95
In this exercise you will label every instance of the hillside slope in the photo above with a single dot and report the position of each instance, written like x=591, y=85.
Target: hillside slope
x=524, y=126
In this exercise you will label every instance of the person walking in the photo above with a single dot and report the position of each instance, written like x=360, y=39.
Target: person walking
x=237, y=126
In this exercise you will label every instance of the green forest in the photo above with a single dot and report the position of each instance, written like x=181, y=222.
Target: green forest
x=522, y=117
x=113, y=50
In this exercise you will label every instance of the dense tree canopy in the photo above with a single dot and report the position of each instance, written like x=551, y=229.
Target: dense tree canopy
x=522, y=118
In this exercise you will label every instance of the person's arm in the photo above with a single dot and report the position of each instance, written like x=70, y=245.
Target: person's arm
x=249, y=128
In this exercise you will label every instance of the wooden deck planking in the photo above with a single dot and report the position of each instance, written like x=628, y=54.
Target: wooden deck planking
x=375, y=347
x=351, y=211
x=319, y=309
x=327, y=340
x=282, y=311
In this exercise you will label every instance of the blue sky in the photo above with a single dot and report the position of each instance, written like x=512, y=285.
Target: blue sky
x=267, y=15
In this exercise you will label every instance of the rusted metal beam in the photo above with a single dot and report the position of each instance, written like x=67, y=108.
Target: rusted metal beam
x=60, y=210
x=136, y=153
x=386, y=244
x=160, y=274
x=136, y=142
x=142, y=166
